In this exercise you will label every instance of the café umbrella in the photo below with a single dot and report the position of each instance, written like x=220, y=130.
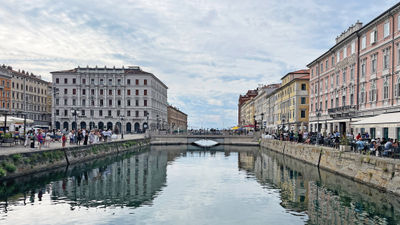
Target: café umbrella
x=14, y=120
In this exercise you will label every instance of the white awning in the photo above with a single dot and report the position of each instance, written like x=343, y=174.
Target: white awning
x=387, y=118
x=14, y=120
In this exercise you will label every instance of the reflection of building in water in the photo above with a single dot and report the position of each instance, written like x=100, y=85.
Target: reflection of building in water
x=291, y=182
x=326, y=207
x=129, y=182
x=246, y=161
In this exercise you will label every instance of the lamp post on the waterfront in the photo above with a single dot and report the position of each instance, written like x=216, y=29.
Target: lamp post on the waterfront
x=255, y=122
x=262, y=121
x=74, y=113
x=122, y=126
x=318, y=114
x=283, y=123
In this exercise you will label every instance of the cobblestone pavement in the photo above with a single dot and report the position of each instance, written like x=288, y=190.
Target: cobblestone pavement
x=19, y=148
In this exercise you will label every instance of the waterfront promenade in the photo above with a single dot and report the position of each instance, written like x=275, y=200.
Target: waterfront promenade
x=19, y=148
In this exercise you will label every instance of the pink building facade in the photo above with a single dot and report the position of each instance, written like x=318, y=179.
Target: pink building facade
x=359, y=77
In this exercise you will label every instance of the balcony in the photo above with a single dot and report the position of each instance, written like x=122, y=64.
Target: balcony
x=342, y=112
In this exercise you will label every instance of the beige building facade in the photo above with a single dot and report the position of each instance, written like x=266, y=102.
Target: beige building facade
x=177, y=120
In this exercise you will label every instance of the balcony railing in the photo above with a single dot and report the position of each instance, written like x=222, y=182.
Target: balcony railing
x=343, y=111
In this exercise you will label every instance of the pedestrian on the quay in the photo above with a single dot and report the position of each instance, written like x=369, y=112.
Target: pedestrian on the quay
x=86, y=138
x=64, y=140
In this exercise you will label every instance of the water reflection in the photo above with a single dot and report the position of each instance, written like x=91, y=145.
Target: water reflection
x=135, y=181
x=326, y=197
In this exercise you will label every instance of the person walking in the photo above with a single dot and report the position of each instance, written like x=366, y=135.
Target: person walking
x=64, y=140
x=86, y=137
x=40, y=139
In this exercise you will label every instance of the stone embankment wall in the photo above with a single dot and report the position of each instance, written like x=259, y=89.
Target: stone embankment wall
x=382, y=173
x=20, y=164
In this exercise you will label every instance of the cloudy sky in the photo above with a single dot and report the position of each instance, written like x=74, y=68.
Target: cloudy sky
x=206, y=51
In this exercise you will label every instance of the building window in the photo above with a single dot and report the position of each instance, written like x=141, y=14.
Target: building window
x=145, y=82
x=128, y=102
x=100, y=112
x=333, y=60
x=101, y=91
x=128, y=113
x=109, y=81
x=364, y=42
x=74, y=91
x=73, y=101
x=386, y=58
x=337, y=79
x=118, y=112
x=373, y=36
x=337, y=56
x=65, y=101
x=92, y=81
x=92, y=91
x=109, y=113
x=91, y=112
x=128, y=81
x=110, y=92
x=128, y=92
x=136, y=102
x=398, y=55
x=344, y=76
x=137, y=92
x=57, y=101
x=145, y=92
x=332, y=77
x=145, y=102
x=363, y=67
x=74, y=80
x=345, y=52
x=137, y=113
x=373, y=62
x=101, y=102
x=322, y=67
x=353, y=47
x=119, y=81
x=373, y=93
x=386, y=88
x=83, y=102
x=303, y=100
x=303, y=87
x=65, y=81
x=57, y=81
x=326, y=65
x=137, y=82
x=312, y=72
x=101, y=82
x=397, y=88
x=119, y=102
x=119, y=92
x=326, y=83
x=83, y=91
x=352, y=72
x=83, y=112
x=110, y=102
x=65, y=91
x=386, y=29
x=83, y=81
x=65, y=112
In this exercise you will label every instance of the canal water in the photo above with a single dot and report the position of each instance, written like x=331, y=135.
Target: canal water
x=176, y=185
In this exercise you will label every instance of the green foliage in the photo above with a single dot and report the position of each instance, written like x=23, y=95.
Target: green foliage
x=344, y=140
x=16, y=157
x=3, y=172
x=10, y=167
x=8, y=135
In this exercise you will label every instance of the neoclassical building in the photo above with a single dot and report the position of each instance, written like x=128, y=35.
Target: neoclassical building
x=5, y=93
x=176, y=119
x=358, y=78
x=127, y=99
x=28, y=96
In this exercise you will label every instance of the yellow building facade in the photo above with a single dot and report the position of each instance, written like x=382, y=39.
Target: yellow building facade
x=292, y=101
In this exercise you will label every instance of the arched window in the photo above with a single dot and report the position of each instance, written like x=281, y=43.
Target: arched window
x=65, y=125
x=101, y=126
x=58, y=125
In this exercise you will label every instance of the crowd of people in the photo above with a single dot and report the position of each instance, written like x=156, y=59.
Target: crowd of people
x=361, y=143
x=43, y=138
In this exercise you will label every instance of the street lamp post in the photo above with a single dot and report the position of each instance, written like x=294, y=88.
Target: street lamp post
x=283, y=123
x=255, y=123
x=74, y=113
x=122, y=126
x=262, y=120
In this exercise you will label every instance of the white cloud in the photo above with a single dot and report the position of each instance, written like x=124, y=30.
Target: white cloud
x=207, y=52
